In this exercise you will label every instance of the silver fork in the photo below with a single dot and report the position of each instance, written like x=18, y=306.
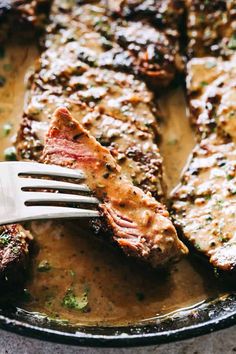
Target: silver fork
x=25, y=195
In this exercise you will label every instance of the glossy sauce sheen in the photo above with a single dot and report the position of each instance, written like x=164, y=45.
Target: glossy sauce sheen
x=118, y=291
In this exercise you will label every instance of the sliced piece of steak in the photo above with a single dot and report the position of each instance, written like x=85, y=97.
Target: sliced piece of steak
x=212, y=96
x=135, y=47
x=14, y=254
x=211, y=28
x=204, y=204
x=138, y=223
x=115, y=107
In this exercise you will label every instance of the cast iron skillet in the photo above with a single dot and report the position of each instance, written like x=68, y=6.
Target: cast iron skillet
x=208, y=316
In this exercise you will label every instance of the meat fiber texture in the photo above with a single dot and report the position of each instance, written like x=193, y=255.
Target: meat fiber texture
x=137, y=223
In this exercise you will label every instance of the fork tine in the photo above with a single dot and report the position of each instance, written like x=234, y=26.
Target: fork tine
x=48, y=212
x=51, y=184
x=33, y=168
x=38, y=197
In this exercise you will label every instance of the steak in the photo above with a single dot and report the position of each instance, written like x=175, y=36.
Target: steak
x=117, y=108
x=204, y=204
x=212, y=96
x=14, y=254
x=211, y=28
x=137, y=222
x=136, y=47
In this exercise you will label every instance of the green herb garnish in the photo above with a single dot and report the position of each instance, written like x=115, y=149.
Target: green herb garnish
x=232, y=42
x=203, y=83
x=71, y=301
x=5, y=239
x=7, y=129
x=10, y=154
x=44, y=266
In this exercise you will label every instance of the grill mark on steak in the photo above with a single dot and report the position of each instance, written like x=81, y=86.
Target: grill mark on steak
x=135, y=47
x=137, y=222
x=14, y=254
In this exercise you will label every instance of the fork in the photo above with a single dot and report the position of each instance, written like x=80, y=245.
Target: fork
x=26, y=195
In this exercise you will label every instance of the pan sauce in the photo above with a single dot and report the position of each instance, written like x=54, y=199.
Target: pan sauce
x=117, y=290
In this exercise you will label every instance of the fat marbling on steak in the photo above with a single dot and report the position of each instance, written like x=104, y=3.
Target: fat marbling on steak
x=137, y=222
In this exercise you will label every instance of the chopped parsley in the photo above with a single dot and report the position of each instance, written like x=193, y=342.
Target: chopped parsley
x=232, y=42
x=44, y=266
x=229, y=177
x=5, y=239
x=7, y=129
x=203, y=83
x=71, y=301
x=10, y=154
x=197, y=246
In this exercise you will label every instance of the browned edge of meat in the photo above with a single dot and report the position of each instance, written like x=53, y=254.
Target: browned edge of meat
x=138, y=224
x=23, y=18
x=14, y=254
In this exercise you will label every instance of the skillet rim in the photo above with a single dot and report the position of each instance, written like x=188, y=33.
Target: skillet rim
x=116, y=341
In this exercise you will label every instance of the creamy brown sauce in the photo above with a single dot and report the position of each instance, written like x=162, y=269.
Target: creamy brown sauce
x=15, y=61
x=177, y=136
x=118, y=290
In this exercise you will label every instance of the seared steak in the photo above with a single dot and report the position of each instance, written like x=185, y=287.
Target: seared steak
x=135, y=47
x=211, y=28
x=137, y=222
x=212, y=95
x=204, y=205
x=115, y=107
x=83, y=67
x=14, y=252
